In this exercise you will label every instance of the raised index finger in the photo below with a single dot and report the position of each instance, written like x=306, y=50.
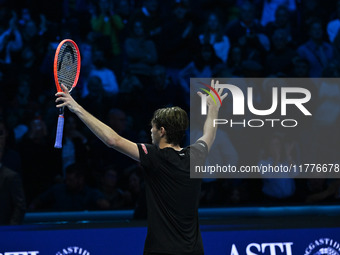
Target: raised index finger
x=64, y=89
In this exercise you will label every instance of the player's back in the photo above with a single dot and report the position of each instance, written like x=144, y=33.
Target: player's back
x=172, y=200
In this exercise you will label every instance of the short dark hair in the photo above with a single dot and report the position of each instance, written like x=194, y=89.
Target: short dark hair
x=174, y=120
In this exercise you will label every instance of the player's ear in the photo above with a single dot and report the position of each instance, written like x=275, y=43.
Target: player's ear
x=163, y=131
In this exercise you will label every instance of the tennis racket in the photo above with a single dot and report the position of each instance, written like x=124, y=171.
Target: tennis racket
x=66, y=71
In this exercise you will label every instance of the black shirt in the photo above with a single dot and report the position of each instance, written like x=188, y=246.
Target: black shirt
x=172, y=199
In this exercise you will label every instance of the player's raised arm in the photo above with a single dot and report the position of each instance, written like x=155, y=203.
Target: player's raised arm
x=209, y=131
x=106, y=134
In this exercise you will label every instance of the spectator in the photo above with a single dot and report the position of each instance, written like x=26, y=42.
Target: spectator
x=136, y=191
x=74, y=150
x=311, y=10
x=117, y=198
x=34, y=33
x=141, y=53
x=235, y=59
x=279, y=60
x=270, y=7
x=150, y=16
x=24, y=91
x=97, y=100
x=47, y=61
x=284, y=22
x=251, y=69
x=300, y=67
x=333, y=26
x=160, y=91
x=279, y=189
x=326, y=117
x=53, y=9
x=105, y=22
x=77, y=9
x=130, y=86
x=100, y=154
x=134, y=186
x=107, y=76
x=10, y=155
x=248, y=33
x=5, y=16
x=333, y=33
x=39, y=162
x=318, y=191
x=204, y=64
x=124, y=10
x=163, y=89
x=179, y=40
x=12, y=197
x=10, y=41
x=71, y=195
x=213, y=34
x=317, y=51
x=29, y=64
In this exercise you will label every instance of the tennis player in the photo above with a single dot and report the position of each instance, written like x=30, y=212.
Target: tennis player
x=172, y=197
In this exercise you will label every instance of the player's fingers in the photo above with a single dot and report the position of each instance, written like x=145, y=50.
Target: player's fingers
x=220, y=91
x=212, y=84
x=58, y=94
x=224, y=96
x=58, y=99
x=61, y=105
x=199, y=93
x=64, y=88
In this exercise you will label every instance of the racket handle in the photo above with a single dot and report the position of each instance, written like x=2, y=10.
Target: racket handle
x=59, y=135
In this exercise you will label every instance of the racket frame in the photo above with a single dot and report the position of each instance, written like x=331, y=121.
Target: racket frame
x=55, y=65
x=60, y=125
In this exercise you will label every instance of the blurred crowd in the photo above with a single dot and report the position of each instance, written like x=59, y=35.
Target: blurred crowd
x=138, y=56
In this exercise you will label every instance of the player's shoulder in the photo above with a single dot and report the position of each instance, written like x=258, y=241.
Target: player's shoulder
x=146, y=148
x=200, y=145
x=199, y=148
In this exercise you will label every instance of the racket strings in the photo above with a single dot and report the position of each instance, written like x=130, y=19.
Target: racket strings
x=67, y=65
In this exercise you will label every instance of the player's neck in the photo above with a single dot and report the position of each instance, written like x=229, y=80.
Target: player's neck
x=163, y=144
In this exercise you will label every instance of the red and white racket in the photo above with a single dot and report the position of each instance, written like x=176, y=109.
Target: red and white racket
x=66, y=71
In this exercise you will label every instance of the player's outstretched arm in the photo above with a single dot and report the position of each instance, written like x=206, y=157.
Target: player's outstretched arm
x=209, y=131
x=100, y=129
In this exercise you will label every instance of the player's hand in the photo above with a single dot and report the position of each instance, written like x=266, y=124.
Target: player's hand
x=65, y=99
